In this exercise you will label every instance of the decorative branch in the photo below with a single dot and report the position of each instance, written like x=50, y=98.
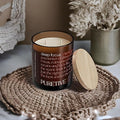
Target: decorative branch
x=102, y=14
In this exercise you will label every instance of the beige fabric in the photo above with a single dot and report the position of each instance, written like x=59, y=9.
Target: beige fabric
x=14, y=29
x=75, y=103
x=5, y=10
x=4, y=16
x=3, y=2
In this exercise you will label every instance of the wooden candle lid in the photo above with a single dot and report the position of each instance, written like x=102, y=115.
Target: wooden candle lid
x=85, y=69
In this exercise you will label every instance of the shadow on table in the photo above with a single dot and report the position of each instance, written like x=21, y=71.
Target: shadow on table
x=10, y=113
x=5, y=109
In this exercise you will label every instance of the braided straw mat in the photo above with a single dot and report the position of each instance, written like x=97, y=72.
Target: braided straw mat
x=74, y=103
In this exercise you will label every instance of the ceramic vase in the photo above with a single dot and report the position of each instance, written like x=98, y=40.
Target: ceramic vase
x=105, y=46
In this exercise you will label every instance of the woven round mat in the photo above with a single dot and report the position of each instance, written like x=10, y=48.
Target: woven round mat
x=75, y=103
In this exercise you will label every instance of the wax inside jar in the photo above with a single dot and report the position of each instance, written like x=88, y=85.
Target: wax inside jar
x=52, y=41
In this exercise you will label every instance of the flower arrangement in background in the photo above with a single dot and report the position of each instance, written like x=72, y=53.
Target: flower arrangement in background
x=102, y=14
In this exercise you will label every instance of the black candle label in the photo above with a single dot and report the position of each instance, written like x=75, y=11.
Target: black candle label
x=52, y=69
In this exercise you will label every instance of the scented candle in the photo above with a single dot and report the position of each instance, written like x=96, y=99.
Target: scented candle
x=52, y=60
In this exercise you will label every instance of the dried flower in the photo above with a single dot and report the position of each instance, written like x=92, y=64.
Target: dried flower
x=102, y=14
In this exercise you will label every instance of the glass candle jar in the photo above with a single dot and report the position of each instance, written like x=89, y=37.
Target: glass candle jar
x=52, y=60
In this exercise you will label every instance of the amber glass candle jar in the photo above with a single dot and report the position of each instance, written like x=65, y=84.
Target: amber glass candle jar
x=52, y=60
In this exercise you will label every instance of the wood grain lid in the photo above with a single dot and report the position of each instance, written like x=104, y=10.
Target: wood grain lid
x=85, y=69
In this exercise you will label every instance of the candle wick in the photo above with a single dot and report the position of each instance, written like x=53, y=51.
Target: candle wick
x=45, y=42
x=60, y=42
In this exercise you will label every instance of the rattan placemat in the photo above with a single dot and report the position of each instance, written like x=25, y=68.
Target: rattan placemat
x=20, y=96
